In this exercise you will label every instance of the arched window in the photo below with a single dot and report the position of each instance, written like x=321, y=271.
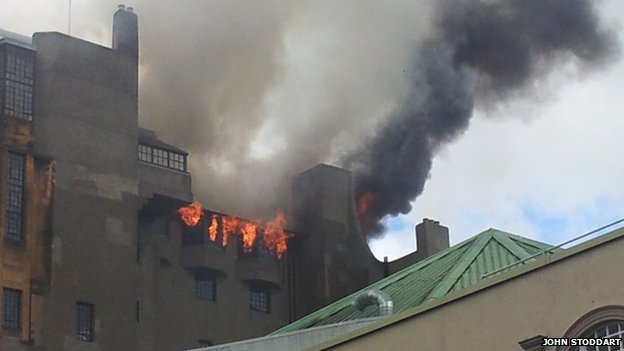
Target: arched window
x=603, y=322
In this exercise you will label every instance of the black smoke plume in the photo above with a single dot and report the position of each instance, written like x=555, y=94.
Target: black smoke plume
x=481, y=52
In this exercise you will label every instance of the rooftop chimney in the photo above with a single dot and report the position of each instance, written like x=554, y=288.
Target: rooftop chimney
x=126, y=32
x=431, y=237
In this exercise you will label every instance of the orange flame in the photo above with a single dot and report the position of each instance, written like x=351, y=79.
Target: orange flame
x=364, y=215
x=274, y=236
x=212, y=229
x=248, y=234
x=229, y=225
x=191, y=214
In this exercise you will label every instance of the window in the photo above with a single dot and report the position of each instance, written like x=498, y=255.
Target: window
x=613, y=329
x=194, y=235
x=84, y=321
x=17, y=80
x=205, y=286
x=11, y=307
x=162, y=157
x=176, y=161
x=145, y=153
x=138, y=310
x=213, y=223
x=260, y=298
x=205, y=343
x=603, y=322
x=258, y=250
x=15, y=197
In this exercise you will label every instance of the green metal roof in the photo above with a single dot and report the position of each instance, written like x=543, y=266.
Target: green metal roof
x=453, y=269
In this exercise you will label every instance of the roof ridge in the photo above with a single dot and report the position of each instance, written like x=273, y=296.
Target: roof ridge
x=460, y=267
x=423, y=263
x=511, y=246
x=535, y=243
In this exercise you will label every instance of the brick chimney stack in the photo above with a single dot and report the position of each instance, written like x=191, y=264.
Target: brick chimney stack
x=431, y=237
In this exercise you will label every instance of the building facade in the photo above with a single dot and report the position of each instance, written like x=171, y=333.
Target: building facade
x=94, y=254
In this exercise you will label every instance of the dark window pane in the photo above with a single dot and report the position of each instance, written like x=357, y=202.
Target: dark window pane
x=15, y=197
x=205, y=286
x=84, y=321
x=162, y=157
x=11, y=308
x=145, y=153
x=205, y=343
x=17, y=81
x=260, y=298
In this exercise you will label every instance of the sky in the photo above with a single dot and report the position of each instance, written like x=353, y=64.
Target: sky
x=276, y=87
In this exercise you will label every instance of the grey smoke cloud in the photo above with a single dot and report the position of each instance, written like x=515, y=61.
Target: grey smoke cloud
x=305, y=81
x=377, y=86
x=482, y=52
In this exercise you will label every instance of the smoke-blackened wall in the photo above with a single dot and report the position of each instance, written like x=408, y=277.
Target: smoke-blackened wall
x=480, y=53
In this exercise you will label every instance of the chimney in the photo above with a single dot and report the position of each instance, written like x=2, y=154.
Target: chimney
x=431, y=237
x=126, y=32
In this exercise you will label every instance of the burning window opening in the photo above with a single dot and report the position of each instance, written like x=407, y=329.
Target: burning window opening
x=191, y=214
x=271, y=234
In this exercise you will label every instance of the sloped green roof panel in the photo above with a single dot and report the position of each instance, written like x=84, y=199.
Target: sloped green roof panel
x=453, y=269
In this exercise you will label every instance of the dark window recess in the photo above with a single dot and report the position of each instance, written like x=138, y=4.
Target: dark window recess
x=258, y=250
x=205, y=286
x=84, y=321
x=162, y=157
x=15, y=197
x=138, y=310
x=138, y=251
x=17, y=80
x=194, y=235
x=212, y=219
x=11, y=307
x=260, y=298
x=205, y=343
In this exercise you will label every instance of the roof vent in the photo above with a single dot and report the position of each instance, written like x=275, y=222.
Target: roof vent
x=121, y=7
x=374, y=296
x=130, y=9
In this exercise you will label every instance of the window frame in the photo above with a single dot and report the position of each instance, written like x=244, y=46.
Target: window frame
x=591, y=321
x=17, y=77
x=16, y=308
x=15, y=197
x=258, y=290
x=162, y=157
x=81, y=309
x=205, y=343
x=258, y=251
x=205, y=286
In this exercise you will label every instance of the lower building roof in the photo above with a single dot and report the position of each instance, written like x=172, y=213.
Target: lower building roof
x=489, y=253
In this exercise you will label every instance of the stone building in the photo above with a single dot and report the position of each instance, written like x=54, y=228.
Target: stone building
x=94, y=254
